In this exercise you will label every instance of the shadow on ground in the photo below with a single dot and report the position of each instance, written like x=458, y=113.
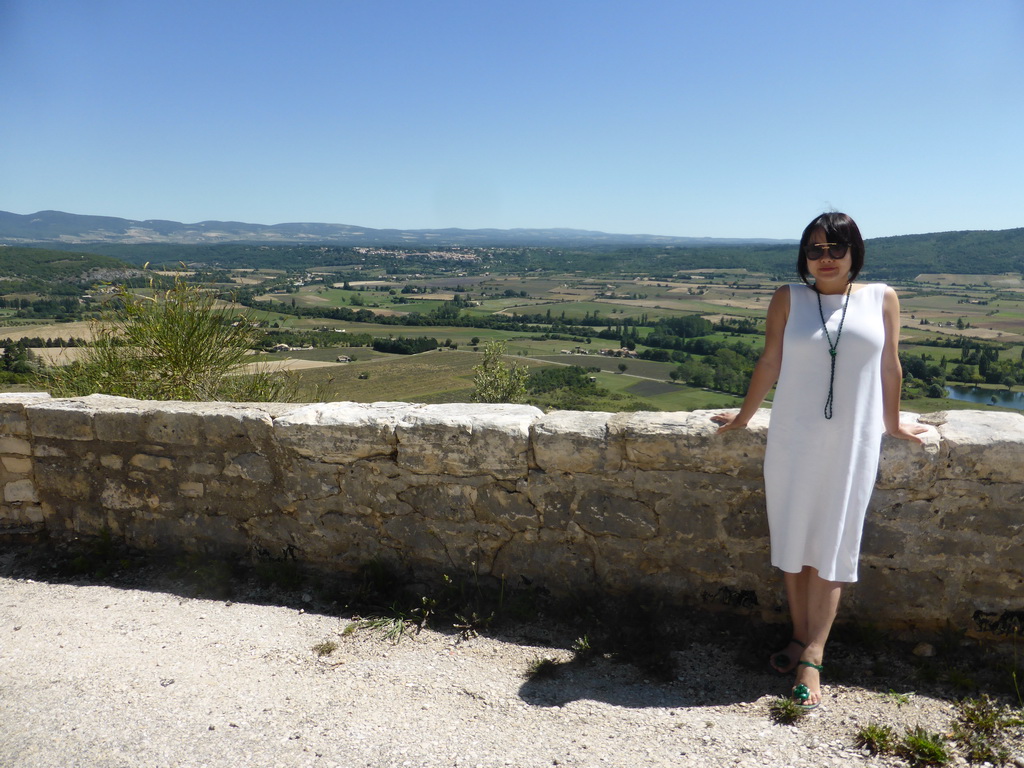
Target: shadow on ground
x=631, y=652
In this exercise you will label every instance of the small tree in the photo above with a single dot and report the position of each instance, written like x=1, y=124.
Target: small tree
x=180, y=344
x=497, y=381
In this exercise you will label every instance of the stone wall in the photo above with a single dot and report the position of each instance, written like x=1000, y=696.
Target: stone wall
x=571, y=502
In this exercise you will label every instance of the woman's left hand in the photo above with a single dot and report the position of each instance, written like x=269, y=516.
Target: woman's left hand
x=908, y=432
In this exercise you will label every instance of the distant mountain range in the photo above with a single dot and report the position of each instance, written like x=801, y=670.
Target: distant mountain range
x=56, y=229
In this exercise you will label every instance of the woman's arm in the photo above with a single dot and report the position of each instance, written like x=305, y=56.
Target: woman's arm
x=892, y=372
x=766, y=372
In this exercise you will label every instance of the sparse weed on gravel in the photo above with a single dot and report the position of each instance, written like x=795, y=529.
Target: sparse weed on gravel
x=391, y=628
x=980, y=734
x=982, y=727
x=784, y=711
x=582, y=650
x=877, y=738
x=471, y=624
x=326, y=648
x=542, y=668
x=921, y=748
x=899, y=699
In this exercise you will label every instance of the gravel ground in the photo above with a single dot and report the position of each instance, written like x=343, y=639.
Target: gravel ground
x=102, y=675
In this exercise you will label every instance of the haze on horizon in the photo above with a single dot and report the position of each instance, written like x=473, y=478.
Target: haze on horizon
x=698, y=120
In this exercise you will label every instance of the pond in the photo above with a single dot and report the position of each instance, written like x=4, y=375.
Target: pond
x=987, y=396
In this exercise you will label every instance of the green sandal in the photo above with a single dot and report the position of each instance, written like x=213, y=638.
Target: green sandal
x=801, y=693
x=780, y=661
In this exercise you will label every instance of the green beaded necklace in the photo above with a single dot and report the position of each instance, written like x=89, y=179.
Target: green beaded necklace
x=832, y=347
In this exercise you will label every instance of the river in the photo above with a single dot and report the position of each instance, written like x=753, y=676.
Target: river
x=987, y=396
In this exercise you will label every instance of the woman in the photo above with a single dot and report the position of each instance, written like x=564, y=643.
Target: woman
x=831, y=345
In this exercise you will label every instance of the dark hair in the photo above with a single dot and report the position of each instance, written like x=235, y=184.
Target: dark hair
x=838, y=228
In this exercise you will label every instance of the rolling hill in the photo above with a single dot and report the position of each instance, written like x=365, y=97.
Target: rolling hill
x=56, y=228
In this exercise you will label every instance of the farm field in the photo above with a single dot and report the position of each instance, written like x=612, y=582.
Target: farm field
x=934, y=308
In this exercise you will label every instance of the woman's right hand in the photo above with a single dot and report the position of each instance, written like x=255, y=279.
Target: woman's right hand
x=727, y=421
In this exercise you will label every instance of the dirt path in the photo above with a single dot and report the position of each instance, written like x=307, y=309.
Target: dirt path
x=110, y=676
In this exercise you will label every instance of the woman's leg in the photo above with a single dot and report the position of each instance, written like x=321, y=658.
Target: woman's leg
x=816, y=608
x=796, y=596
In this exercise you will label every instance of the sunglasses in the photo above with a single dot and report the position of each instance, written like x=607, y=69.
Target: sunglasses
x=815, y=251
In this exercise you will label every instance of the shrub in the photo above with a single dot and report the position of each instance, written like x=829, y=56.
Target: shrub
x=497, y=381
x=180, y=344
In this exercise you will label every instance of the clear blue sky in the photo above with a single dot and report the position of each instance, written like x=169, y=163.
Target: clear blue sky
x=731, y=118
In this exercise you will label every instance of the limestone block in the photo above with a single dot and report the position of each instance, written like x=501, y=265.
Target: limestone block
x=575, y=441
x=553, y=495
x=12, y=411
x=151, y=463
x=448, y=545
x=507, y=509
x=111, y=461
x=712, y=561
x=690, y=505
x=302, y=479
x=191, y=490
x=225, y=422
x=169, y=425
x=467, y=439
x=745, y=518
x=341, y=433
x=70, y=419
x=368, y=488
x=910, y=596
x=987, y=591
x=117, y=495
x=20, y=491
x=688, y=440
x=982, y=445
x=441, y=501
x=64, y=482
x=914, y=515
x=904, y=464
x=623, y=566
x=883, y=540
x=21, y=398
x=252, y=467
x=13, y=422
x=545, y=558
x=1002, y=521
x=16, y=446
x=614, y=511
x=118, y=419
x=17, y=465
x=342, y=541
x=46, y=450
x=32, y=514
x=682, y=520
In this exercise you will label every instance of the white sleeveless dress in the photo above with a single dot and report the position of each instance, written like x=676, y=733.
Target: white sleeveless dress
x=819, y=473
